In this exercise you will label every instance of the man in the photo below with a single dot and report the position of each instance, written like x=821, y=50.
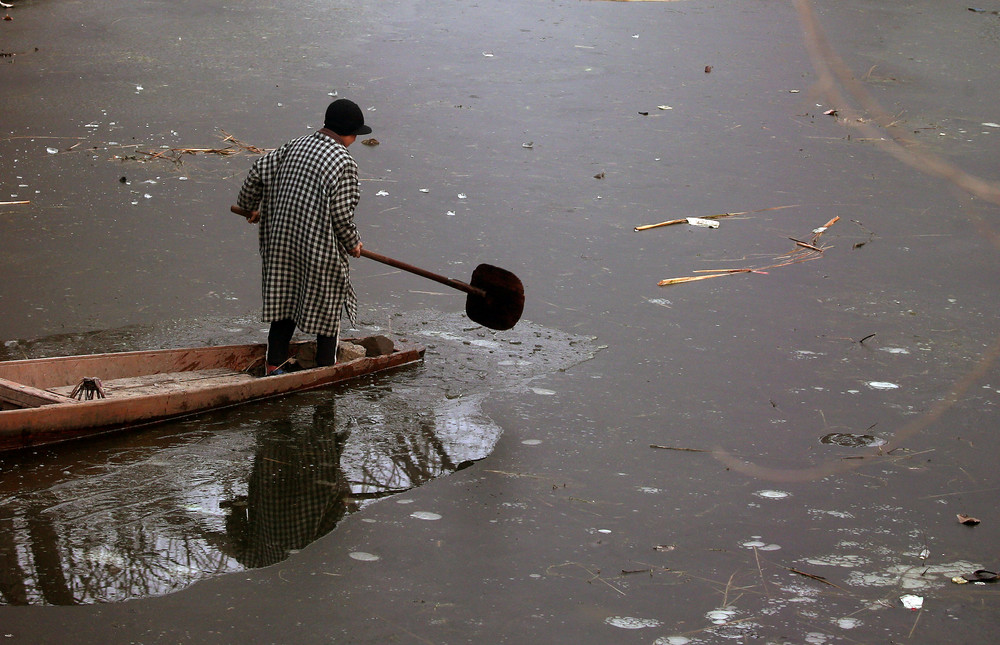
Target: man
x=306, y=192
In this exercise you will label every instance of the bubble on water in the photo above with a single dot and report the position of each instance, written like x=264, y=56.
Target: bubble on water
x=761, y=546
x=672, y=640
x=847, y=560
x=542, y=391
x=894, y=350
x=405, y=500
x=816, y=638
x=844, y=515
x=913, y=577
x=772, y=494
x=531, y=442
x=848, y=623
x=721, y=616
x=629, y=622
x=364, y=557
x=425, y=515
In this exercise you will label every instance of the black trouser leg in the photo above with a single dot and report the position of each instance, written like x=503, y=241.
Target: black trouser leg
x=326, y=349
x=278, y=337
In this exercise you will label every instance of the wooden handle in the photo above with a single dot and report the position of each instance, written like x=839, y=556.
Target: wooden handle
x=454, y=284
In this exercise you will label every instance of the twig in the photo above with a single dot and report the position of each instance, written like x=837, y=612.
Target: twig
x=808, y=246
x=24, y=201
x=915, y=621
x=812, y=253
x=962, y=492
x=763, y=583
x=659, y=447
x=671, y=222
x=725, y=595
x=816, y=578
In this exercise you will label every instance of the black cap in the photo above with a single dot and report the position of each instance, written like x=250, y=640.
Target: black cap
x=345, y=118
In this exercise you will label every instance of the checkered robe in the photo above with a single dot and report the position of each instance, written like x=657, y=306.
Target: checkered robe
x=306, y=192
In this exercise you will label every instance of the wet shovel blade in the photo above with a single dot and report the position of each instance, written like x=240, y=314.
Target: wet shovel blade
x=504, y=300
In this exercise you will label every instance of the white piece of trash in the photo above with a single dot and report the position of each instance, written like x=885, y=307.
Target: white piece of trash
x=912, y=602
x=700, y=221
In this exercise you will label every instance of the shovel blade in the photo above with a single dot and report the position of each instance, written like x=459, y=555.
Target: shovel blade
x=503, y=303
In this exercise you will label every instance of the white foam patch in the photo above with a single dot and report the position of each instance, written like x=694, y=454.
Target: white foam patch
x=882, y=385
x=921, y=576
x=772, y=494
x=629, y=622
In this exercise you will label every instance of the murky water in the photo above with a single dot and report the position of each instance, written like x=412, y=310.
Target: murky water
x=156, y=510
x=777, y=455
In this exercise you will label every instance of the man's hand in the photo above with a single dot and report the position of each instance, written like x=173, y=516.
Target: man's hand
x=356, y=251
x=254, y=217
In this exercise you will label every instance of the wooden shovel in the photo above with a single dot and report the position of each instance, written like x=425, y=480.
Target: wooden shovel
x=495, y=295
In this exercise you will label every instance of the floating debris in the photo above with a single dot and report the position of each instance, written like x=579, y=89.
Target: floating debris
x=967, y=520
x=979, y=575
x=629, y=622
x=702, y=222
x=850, y=440
x=371, y=143
x=682, y=220
x=772, y=494
x=364, y=557
x=882, y=385
x=425, y=515
x=911, y=601
x=761, y=546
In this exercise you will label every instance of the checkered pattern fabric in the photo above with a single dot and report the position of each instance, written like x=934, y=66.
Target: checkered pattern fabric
x=296, y=492
x=306, y=192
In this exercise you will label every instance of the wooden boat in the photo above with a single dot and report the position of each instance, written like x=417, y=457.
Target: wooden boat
x=48, y=400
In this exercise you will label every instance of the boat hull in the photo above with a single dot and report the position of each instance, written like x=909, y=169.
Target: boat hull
x=185, y=394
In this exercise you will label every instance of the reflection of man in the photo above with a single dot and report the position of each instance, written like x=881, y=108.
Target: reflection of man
x=297, y=491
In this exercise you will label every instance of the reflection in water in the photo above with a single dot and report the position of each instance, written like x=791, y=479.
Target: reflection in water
x=152, y=512
x=296, y=493
x=160, y=520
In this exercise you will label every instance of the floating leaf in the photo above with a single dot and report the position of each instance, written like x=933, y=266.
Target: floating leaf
x=981, y=575
x=968, y=520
